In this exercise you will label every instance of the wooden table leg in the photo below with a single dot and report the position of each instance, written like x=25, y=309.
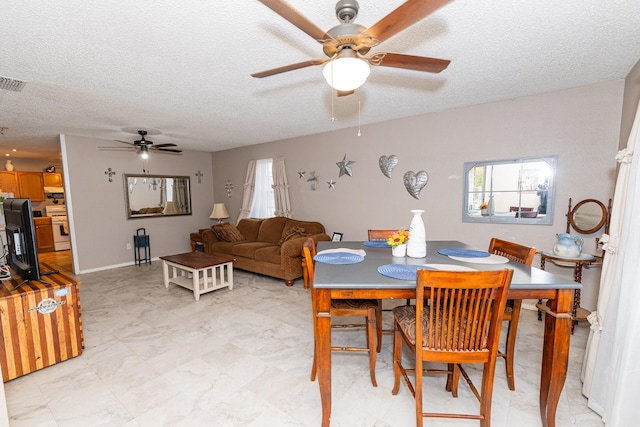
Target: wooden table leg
x=323, y=342
x=555, y=354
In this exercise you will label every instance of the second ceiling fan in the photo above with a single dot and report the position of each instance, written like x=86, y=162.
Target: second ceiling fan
x=346, y=44
x=143, y=146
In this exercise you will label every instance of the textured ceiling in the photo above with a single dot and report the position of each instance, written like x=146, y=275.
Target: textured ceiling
x=92, y=69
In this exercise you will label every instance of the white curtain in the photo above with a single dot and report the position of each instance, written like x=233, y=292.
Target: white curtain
x=263, y=205
x=281, y=189
x=247, y=195
x=611, y=373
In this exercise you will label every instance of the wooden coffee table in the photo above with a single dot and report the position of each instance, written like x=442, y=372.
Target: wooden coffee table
x=198, y=271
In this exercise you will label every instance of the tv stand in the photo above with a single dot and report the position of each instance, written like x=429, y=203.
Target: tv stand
x=46, y=318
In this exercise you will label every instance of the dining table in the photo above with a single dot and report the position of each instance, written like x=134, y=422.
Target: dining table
x=362, y=279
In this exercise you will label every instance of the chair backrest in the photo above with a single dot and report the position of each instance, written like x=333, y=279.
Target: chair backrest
x=513, y=251
x=463, y=318
x=308, y=252
x=380, y=234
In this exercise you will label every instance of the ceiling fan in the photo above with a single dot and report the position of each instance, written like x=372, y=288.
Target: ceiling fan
x=346, y=44
x=144, y=146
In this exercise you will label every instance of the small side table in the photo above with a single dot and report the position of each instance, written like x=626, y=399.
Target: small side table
x=198, y=271
x=577, y=313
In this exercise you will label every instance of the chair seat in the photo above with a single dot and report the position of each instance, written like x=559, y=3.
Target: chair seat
x=354, y=303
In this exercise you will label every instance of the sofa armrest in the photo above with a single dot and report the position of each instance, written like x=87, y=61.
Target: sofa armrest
x=209, y=237
x=293, y=247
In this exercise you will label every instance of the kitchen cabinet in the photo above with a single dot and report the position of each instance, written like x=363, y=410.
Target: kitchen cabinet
x=30, y=186
x=52, y=179
x=9, y=182
x=44, y=234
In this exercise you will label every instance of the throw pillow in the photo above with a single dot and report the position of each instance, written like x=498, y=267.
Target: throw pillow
x=293, y=232
x=227, y=232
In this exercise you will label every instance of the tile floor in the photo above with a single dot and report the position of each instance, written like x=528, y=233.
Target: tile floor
x=155, y=357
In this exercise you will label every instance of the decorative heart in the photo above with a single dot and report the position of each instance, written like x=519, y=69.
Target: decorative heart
x=387, y=164
x=415, y=182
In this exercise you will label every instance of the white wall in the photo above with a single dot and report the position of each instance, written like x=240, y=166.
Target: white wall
x=581, y=126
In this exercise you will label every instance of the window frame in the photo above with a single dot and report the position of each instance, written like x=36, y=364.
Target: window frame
x=530, y=174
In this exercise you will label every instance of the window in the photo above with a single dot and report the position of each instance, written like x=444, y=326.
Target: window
x=263, y=205
x=518, y=191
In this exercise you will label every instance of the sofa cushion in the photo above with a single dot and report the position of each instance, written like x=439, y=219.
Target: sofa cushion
x=291, y=233
x=249, y=228
x=269, y=254
x=271, y=229
x=227, y=232
x=310, y=227
x=247, y=250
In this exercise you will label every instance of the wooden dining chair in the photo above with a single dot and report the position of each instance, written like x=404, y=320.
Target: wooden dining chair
x=305, y=274
x=524, y=255
x=456, y=320
x=380, y=235
x=370, y=309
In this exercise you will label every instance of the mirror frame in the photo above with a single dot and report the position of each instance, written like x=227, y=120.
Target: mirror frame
x=127, y=191
x=471, y=214
x=572, y=214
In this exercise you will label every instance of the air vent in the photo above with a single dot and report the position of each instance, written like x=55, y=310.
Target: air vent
x=11, y=84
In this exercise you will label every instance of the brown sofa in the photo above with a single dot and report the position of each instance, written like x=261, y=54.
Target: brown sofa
x=269, y=246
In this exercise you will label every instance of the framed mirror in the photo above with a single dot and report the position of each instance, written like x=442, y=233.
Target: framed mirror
x=588, y=216
x=510, y=191
x=156, y=195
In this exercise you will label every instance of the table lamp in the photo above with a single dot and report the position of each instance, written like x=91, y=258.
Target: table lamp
x=219, y=212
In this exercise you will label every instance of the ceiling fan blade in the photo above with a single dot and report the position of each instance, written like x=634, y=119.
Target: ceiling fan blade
x=403, y=17
x=168, y=144
x=289, y=67
x=409, y=62
x=125, y=142
x=117, y=148
x=290, y=14
x=167, y=150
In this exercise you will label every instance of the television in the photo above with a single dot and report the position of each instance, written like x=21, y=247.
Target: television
x=22, y=248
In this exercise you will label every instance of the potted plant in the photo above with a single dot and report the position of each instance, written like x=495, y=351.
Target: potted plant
x=398, y=243
x=484, y=209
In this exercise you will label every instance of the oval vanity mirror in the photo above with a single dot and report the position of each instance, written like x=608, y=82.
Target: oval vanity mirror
x=588, y=216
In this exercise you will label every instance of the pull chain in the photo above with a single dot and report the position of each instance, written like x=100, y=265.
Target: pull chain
x=359, y=133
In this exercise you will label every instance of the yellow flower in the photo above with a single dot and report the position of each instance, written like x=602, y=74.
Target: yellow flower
x=398, y=238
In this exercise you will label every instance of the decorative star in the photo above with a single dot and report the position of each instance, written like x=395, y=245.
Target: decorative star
x=301, y=174
x=332, y=183
x=345, y=166
x=313, y=179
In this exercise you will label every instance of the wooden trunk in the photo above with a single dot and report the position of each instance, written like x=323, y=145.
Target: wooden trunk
x=40, y=324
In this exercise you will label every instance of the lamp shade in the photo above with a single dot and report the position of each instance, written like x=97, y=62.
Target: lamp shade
x=346, y=72
x=219, y=211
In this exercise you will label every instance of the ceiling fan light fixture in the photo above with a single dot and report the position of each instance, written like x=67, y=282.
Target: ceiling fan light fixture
x=346, y=72
x=144, y=152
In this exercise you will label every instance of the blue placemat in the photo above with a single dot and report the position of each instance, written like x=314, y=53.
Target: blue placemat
x=402, y=271
x=465, y=253
x=377, y=244
x=339, y=258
